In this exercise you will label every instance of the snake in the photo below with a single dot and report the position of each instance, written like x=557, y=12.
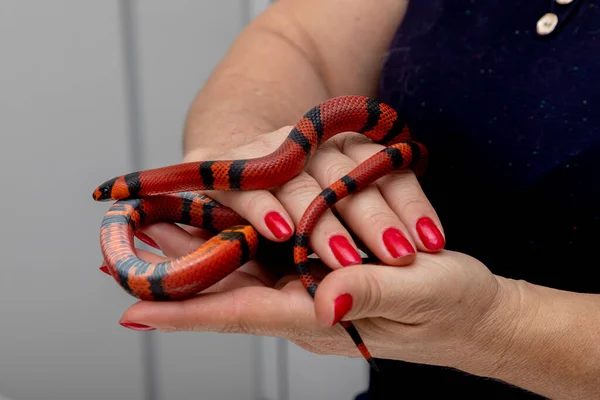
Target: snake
x=175, y=194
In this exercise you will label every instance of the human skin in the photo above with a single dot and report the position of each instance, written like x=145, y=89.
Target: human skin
x=435, y=306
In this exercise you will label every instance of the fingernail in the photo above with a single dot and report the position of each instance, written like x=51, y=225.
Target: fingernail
x=146, y=239
x=396, y=243
x=104, y=268
x=343, y=251
x=136, y=327
x=341, y=306
x=430, y=235
x=277, y=225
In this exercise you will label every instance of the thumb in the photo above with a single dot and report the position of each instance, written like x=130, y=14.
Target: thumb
x=365, y=291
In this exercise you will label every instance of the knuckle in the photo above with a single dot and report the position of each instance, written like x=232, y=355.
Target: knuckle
x=302, y=186
x=338, y=141
x=373, y=215
x=403, y=191
x=372, y=298
x=188, y=317
x=248, y=204
x=404, y=181
x=359, y=147
x=255, y=201
x=408, y=201
x=238, y=323
x=352, y=140
x=335, y=170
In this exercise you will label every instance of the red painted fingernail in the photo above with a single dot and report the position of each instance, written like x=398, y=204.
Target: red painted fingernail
x=341, y=306
x=343, y=251
x=430, y=235
x=104, y=268
x=277, y=225
x=397, y=244
x=136, y=327
x=146, y=239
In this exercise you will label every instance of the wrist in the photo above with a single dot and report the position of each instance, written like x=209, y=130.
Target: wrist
x=540, y=339
x=503, y=329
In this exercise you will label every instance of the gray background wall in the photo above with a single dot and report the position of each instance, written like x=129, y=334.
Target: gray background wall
x=88, y=89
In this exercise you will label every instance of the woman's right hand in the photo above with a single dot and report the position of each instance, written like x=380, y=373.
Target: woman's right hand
x=393, y=218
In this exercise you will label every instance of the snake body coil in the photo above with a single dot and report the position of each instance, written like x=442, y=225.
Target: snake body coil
x=167, y=195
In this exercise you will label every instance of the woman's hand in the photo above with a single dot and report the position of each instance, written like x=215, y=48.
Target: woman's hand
x=445, y=309
x=437, y=311
x=392, y=217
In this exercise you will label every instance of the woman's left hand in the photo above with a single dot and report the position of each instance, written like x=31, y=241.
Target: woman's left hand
x=442, y=310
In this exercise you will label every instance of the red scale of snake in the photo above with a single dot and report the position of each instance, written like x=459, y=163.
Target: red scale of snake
x=167, y=194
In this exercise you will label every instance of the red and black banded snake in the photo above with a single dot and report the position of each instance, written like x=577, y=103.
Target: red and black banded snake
x=170, y=194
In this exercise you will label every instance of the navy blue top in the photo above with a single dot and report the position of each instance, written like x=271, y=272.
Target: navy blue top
x=512, y=123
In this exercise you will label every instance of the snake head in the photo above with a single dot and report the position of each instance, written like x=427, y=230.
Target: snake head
x=104, y=191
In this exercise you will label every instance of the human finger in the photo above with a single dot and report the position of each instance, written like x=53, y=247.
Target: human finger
x=366, y=212
x=248, y=310
x=259, y=207
x=404, y=196
x=329, y=239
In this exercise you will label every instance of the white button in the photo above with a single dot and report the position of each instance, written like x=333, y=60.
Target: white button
x=547, y=23
x=564, y=1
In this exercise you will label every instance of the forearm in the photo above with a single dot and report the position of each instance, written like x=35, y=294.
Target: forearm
x=295, y=55
x=545, y=340
x=263, y=83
